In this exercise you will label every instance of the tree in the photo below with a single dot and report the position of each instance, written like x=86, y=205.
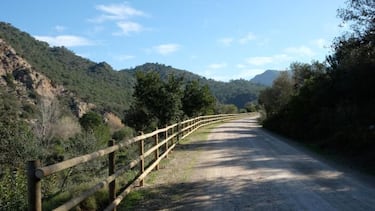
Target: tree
x=275, y=98
x=197, y=100
x=156, y=102
x=332, y=108
x=90, y=121
x=251, y=107
x=49, y=114
x=170, y=110
x=17, y=142
x=226, y=109
x=361, y=13
x=302, y=72
x=95, y=128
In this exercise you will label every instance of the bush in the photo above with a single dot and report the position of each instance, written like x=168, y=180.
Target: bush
x=13, y=189
x=122, y=134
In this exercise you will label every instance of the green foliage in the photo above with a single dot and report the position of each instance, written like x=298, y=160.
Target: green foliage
x=56, y=200
x=13, y=189
x=252, y=107
x=160, y=102
x=102, y=134
x=236, y=92
x=276, y=97
x=122, y=134
x=226, y=109
x=93, y=123
x=332, y=108
x=361, y=13
x=16, y=139
x=96, y=83
x=302, y=72
x=171, y=109
x=24, y=123
x=90, y=120
x=157, y=102
x=197, y=100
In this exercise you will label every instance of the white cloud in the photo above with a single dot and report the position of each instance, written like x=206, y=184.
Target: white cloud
x=217, y=66
x=263, y=60
x=122, y=15
x=124, y=57
x=210, y=73
x=165, y=49
x=249, y=73
x=60, y=28
x=241, y=66
x=227, y=41
x=65, y=40
x=128, y=26
x=320, y=43
x=247, y=38
x=259, y=60
x=116, y=12
x=302, y=51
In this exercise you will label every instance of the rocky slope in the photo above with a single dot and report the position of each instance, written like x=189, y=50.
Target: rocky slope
x=29, y=84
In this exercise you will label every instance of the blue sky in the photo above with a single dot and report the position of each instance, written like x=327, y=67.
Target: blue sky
x=218, y=39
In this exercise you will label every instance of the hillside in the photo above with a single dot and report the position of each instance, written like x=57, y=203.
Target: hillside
x=55, y=105
x=266, y=78
x=94, y=82
x=99, y=83
x=237, y=92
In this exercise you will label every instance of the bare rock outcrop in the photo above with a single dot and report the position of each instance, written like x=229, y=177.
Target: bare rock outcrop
x=15, y=69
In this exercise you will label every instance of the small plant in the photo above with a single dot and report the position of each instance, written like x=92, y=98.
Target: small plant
x=13, y=189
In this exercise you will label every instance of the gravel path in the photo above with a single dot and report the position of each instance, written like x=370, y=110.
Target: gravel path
x=242, y=167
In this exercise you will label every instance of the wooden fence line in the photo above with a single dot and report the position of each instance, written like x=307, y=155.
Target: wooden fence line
x=172, y=135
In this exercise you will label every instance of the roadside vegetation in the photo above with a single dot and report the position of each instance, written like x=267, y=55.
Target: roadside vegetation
x=330, y=106
x=56, y=135
x=115, y=104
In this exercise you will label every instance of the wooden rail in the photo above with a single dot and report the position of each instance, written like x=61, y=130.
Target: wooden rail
x=171, y=136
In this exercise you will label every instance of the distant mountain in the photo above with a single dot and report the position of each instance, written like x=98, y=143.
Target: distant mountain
x=266, y=78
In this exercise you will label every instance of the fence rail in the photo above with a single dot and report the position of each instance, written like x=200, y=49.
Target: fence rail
x=165, y=140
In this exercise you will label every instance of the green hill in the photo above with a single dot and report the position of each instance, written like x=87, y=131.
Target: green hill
x=266, y=78
x=237, y=92
x=93, y=82
x=99, y=83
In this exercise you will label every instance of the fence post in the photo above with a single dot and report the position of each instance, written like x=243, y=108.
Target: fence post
x=166, y=143
x=142, y=163
x=172, y=135
x=157, y=149
x=34, y=186
x=111, y=170
x=178, y=132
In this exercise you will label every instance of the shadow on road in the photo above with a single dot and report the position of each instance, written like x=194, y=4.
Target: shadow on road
x=247, y=169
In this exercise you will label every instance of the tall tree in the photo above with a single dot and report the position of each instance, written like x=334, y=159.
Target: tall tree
x=275, y=98
x=197, y=100
x=361, y=13
x=156, y=102
x=304, y=72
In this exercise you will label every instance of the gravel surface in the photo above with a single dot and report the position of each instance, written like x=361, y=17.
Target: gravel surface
x=243, y=167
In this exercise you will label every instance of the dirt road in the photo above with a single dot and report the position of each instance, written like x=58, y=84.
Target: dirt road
x=242, y=167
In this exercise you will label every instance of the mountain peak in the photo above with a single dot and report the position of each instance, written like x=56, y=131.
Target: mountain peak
x=266, y=78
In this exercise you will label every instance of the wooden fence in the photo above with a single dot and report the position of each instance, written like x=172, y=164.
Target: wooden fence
x=164, y=140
